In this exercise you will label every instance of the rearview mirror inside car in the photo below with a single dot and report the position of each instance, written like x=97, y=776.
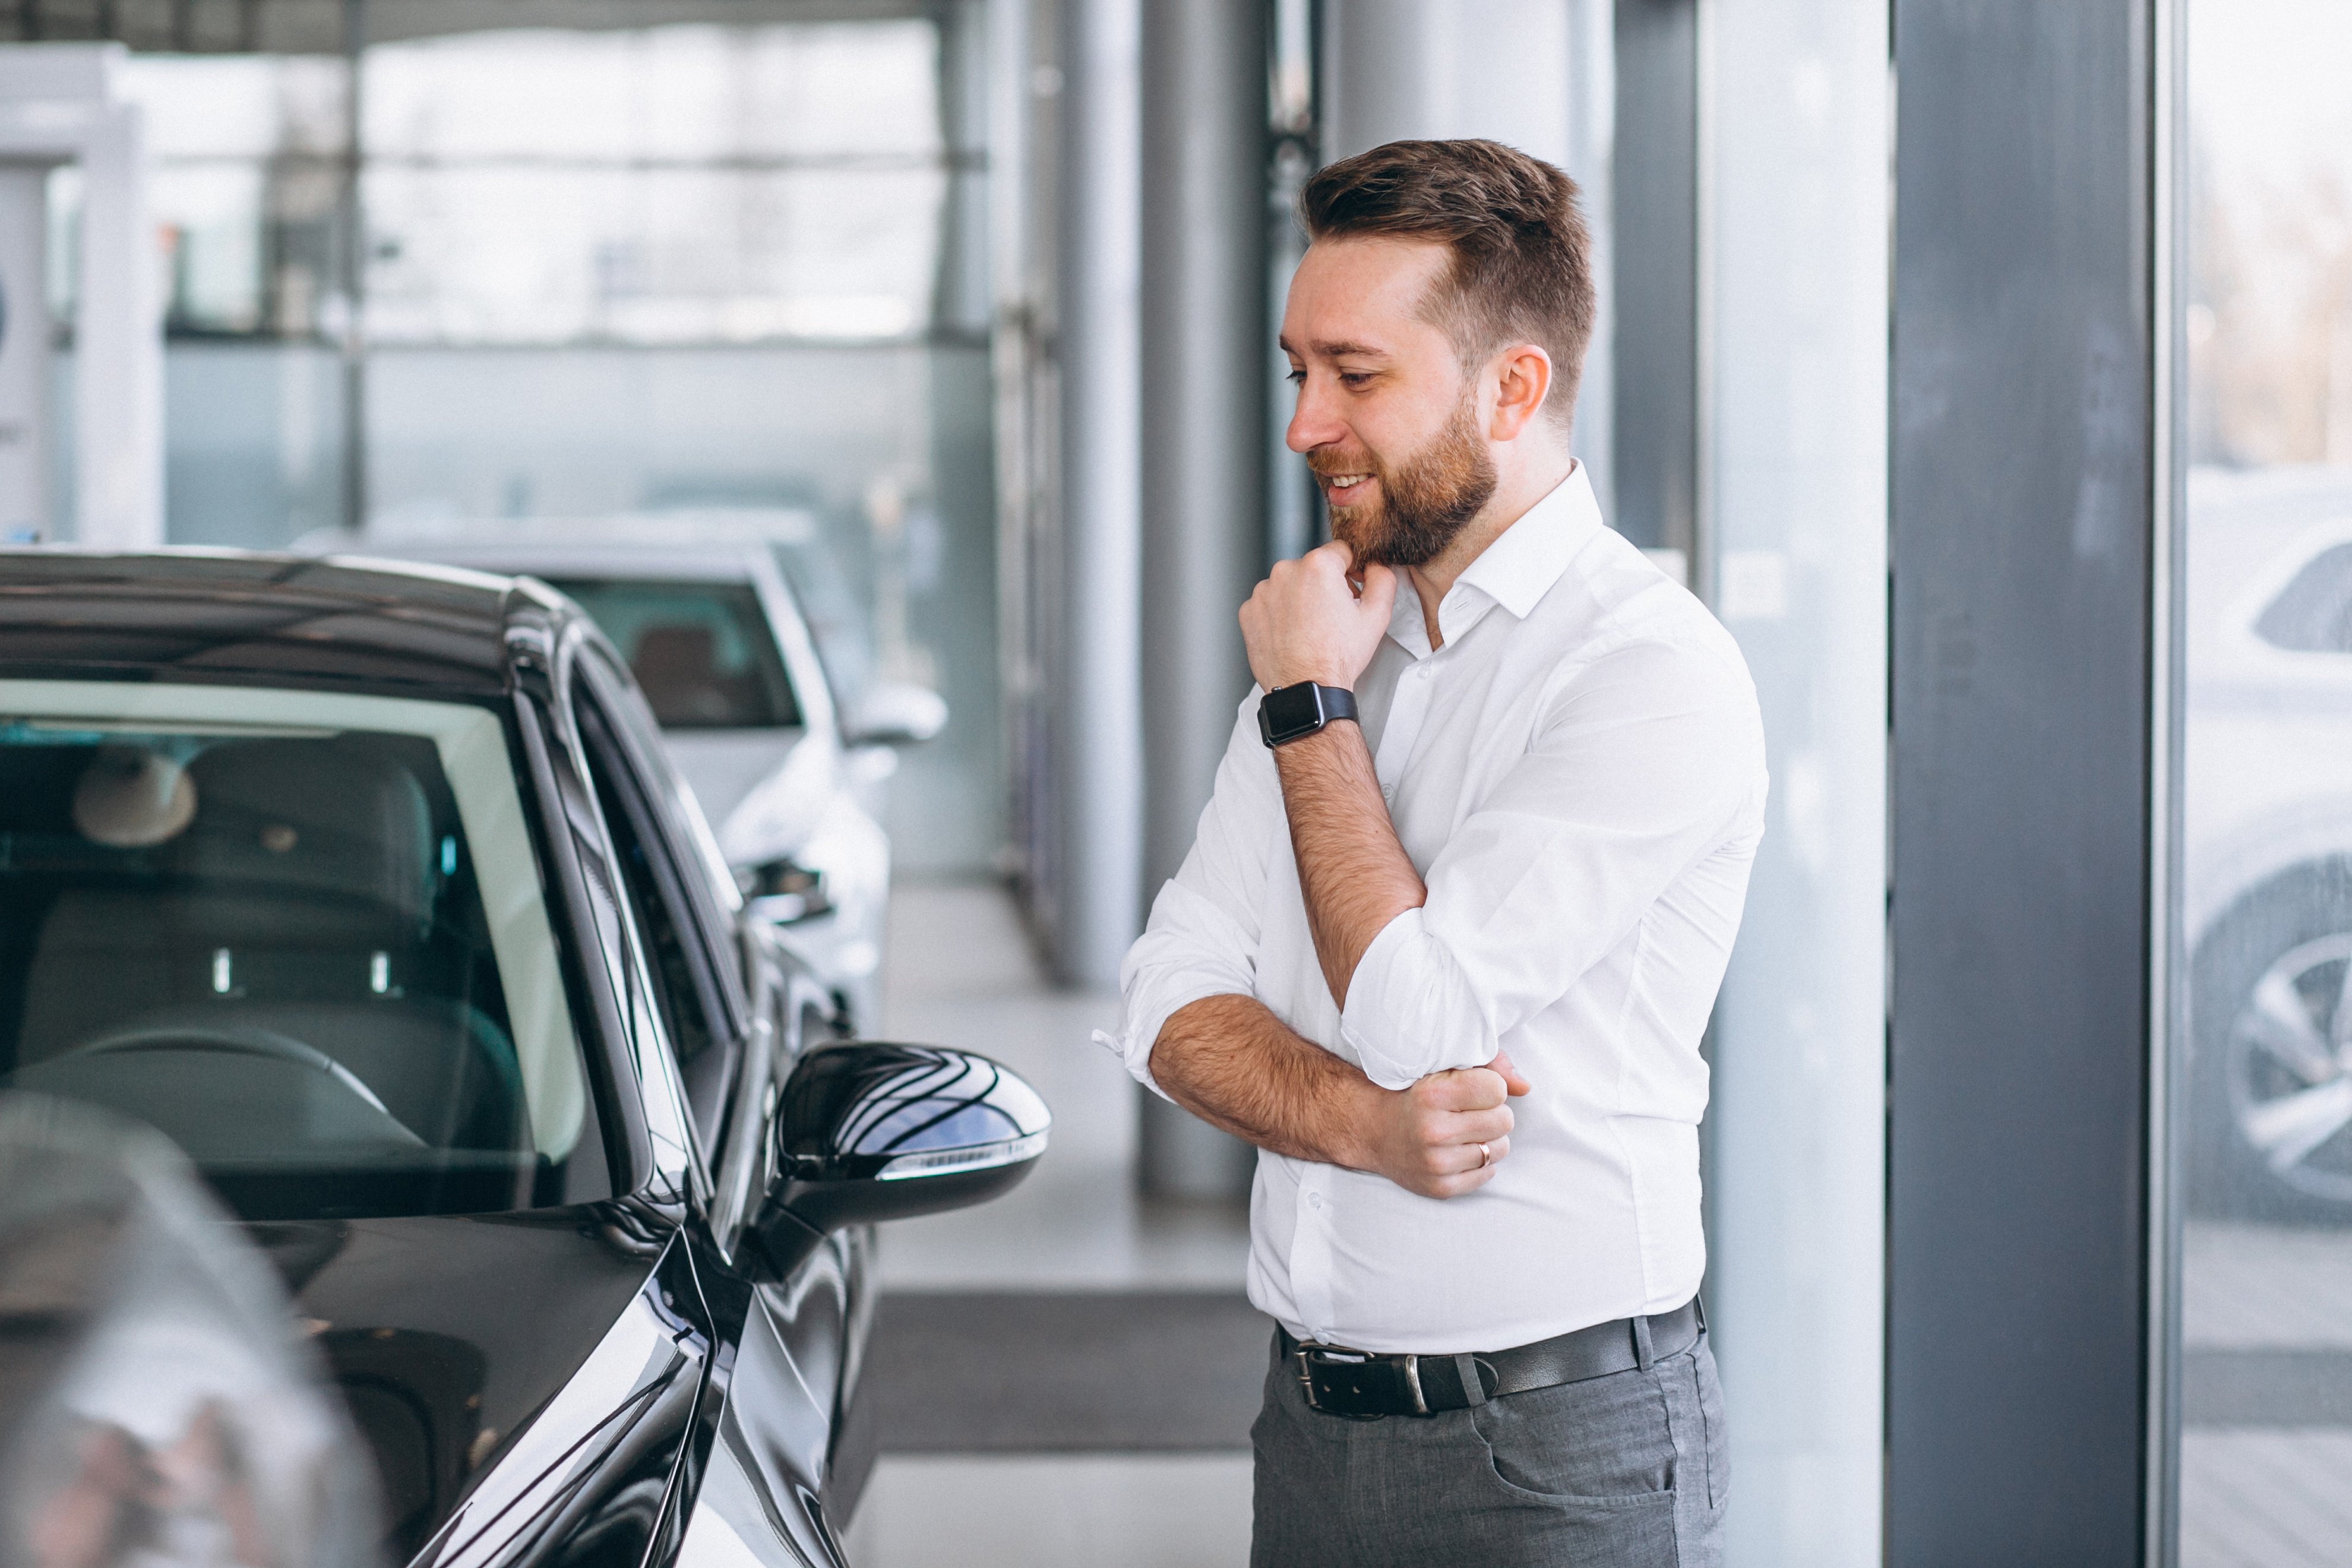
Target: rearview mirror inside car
x=897, y=713
x=873, y=1132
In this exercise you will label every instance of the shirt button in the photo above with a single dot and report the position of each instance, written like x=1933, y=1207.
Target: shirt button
x=1314, y=1200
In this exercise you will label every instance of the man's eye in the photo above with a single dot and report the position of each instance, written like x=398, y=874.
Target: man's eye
x=1296, y=378
x=1355, y=378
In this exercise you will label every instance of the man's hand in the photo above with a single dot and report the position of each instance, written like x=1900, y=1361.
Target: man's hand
x=1306, y=621
x=1443, y=1136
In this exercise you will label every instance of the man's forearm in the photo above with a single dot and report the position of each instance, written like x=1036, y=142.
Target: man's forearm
x=1353, y=872
x=1230, y=1061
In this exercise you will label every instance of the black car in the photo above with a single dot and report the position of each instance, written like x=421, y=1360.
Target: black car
x=368, y=886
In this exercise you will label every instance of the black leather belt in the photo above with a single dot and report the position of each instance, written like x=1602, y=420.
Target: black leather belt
x=1364, y=1386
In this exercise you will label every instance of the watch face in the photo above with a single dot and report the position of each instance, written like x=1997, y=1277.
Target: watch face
x=1291, y=711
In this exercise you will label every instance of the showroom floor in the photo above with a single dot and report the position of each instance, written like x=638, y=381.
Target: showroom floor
x=2266, y=1353
x=1010, y=1331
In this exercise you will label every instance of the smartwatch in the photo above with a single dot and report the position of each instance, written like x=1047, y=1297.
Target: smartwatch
x=1291, y=713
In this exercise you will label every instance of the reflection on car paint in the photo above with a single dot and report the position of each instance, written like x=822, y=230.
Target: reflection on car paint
x=586, y=1469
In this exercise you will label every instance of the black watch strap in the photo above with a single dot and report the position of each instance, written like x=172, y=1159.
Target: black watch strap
x=1291, y=713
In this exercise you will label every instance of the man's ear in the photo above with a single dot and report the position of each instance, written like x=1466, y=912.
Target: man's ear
x=1522, y=375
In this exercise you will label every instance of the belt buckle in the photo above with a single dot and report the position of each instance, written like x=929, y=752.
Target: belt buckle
x=1358, y=1385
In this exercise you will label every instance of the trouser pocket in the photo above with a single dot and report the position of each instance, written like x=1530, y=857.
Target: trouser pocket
x=1714, y=1442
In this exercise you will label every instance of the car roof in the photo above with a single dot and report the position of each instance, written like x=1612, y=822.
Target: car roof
x=696, y=561
x=245, y=617
x=686, y=544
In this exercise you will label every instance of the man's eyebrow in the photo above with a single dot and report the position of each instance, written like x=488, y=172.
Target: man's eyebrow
x=1338, y=350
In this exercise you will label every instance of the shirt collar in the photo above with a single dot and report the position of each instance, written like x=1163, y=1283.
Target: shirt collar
x=1519, y=568
x=1516, y=571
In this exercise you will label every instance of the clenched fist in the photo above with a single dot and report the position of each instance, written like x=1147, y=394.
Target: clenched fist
x=1306, y=622
x=1444, y=1135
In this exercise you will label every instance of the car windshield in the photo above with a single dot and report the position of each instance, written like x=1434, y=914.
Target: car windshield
x=702, y=652
x=300, y=933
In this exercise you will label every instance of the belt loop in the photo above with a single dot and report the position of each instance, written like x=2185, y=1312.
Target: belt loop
x=1641, y=1357
x=1474, y=1387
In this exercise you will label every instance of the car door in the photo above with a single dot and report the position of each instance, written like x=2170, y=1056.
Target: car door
x=776, y=1396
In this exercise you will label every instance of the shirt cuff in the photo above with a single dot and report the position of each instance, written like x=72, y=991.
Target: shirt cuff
x=1139, y=1031
x=1368, y=1005
x=1407, y=1015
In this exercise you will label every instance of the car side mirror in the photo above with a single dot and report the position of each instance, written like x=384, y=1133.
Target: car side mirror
x=782, y=891
x=897, y=713
x=871, y=1131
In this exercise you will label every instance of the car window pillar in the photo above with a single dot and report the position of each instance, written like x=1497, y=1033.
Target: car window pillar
x=668, y=1125
x=582, y=874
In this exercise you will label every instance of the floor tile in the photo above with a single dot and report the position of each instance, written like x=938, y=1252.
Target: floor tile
x=1075, y=1511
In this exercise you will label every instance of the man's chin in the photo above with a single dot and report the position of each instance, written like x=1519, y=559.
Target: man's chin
x=1359, y=529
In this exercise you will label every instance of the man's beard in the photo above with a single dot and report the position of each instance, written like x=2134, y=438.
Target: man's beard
x=1425, y=502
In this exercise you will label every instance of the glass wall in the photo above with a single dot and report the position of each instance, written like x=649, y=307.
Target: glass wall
x=1794, y=264
x=617, y=273
x=680, y=185
x=2264, y=1080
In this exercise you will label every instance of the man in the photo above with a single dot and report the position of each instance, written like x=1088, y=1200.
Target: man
x=1455, y=918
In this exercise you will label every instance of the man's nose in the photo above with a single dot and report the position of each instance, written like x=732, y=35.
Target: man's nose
x=1313, y=423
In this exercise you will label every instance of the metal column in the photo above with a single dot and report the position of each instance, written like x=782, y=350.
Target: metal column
x=24, y=360
x=1096, y=739
x=61, y=103
x=2023, y=482
x=1654, y=275
x=1204, y=334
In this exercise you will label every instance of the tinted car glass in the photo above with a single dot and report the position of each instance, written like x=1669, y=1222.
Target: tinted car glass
x=702, y=652
x=2313, y=613
x=300, y=935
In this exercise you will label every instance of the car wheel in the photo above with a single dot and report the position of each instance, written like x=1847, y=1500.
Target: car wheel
x=2269, y=1110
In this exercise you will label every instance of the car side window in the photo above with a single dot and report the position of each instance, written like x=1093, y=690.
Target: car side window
x=685, y=991
x=2313, y=613
x=706, y=884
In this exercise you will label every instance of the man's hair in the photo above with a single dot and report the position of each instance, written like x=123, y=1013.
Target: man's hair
x=1522, y=258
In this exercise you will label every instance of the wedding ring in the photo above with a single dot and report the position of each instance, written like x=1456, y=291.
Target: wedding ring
x=1483, y=1157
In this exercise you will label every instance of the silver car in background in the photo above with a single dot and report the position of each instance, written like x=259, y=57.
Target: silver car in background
x=752, y=713
x=2267, y=798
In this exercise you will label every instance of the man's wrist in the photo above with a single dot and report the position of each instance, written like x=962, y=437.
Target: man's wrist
x=1337, y=678
x=1316, y=747
x=1356, y=1131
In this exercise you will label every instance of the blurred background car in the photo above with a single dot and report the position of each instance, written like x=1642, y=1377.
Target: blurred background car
x=2268, y=824
x=773, y=714
x=371, y=887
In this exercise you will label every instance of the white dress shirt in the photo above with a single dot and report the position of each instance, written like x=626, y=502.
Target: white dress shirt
x=1578, y=774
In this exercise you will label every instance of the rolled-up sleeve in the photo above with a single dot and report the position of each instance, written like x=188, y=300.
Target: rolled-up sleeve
x=1203, y=937
x=1644, y=757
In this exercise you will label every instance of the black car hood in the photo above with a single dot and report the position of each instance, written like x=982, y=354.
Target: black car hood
x=448, y=1335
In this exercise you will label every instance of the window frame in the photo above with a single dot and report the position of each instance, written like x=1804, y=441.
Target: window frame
x=611, y=757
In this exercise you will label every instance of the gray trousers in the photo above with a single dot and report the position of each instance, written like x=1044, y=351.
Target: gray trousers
x=1624, y=1471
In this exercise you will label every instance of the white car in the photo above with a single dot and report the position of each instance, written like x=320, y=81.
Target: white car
x=716, y=636
x=2267, y=819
